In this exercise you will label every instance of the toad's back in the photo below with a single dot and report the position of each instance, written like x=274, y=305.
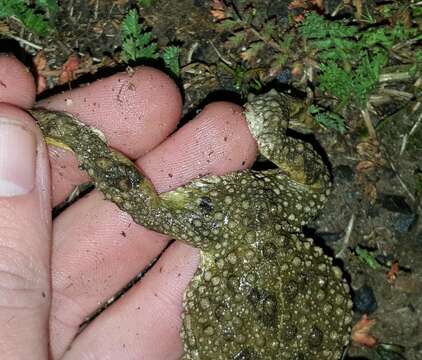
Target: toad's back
x=283, y=300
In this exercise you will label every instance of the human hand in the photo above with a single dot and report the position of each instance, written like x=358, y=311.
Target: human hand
x=54, y=274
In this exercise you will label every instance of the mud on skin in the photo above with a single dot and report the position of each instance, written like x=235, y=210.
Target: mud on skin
x=262, y=291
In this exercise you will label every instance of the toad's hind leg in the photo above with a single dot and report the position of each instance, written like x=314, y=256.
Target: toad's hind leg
x=112, y=173
x=268, y=117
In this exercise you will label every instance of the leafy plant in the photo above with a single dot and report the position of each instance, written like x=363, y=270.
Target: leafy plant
x=138, y=44
x=351, y=59
x=170, y=57
x=137, y=41
x=250, y=29
x=145, y=3
x=50, y=6
x=385, y=351
x=327, y=118
x=416, y=9
x=257, y=46
x=368, y=257
x=244, y=79
x=36, y=19
x=417, y=66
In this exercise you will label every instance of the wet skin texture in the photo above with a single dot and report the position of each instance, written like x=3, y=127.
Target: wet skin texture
x=262, y=291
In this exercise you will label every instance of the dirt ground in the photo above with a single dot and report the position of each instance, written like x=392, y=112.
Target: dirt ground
x=371, y=224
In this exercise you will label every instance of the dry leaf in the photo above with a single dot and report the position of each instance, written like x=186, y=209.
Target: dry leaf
x=247, y=55
x=218, y=4
x=368, y=148
x=217, y=10
x=297, y=4
x=365, y=166
x=392, y=273
x=319, y=3
x=370, y=191
x=306, y=4
x=40, y=63
x=68, y=69
x=297, y=70
x=360, y=332
x=218, y=14
x=120, y=2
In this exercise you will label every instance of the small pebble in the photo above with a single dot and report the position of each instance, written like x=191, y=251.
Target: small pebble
x=403, y=223
x=364, y=300
x=285, y=76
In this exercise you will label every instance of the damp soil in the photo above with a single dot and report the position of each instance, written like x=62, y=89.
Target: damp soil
x=374, y=211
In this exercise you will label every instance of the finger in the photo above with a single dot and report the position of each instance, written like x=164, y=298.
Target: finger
x=216, y=142
x=74, y=302
x=17, y=86
x=148, y=315
x=135, y=111
x=25, y=237
x=97, y=250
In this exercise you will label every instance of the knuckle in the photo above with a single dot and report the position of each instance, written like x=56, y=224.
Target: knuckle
x=23, y=284
x=24, y=274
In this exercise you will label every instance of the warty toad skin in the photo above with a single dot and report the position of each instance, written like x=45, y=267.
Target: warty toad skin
x=262, y=291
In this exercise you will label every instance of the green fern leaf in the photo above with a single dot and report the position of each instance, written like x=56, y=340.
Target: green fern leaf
x=171, y=56
x=137, y=42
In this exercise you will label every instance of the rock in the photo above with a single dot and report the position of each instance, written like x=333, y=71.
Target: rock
x=279, y=10
x=394, y=203
x=388, y=173
x=403, y=223
x=364, y=300
x=374, y=211
x=403, y=217
x=200, y=3
x=385, y=259
x=343, y=173
x=285, y=76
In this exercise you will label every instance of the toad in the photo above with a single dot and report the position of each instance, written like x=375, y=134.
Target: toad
x=262, y=290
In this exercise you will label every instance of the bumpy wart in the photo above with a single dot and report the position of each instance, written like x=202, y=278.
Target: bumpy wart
x=262, y=290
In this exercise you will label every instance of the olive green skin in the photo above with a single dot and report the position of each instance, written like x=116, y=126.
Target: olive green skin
x=262, y=291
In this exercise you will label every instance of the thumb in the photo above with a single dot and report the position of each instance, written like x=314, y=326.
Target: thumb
x=25, y=237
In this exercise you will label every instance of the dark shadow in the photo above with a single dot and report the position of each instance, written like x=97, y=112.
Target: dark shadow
x=310, y=138
x=83, y=189
x=11, y=46
x=101, y=74
x=218, y=95
x=322, y=243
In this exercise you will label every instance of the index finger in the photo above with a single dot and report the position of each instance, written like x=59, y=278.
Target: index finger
x=135, y=111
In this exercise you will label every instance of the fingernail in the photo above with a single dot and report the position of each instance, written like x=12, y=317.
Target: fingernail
x=17, y=158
